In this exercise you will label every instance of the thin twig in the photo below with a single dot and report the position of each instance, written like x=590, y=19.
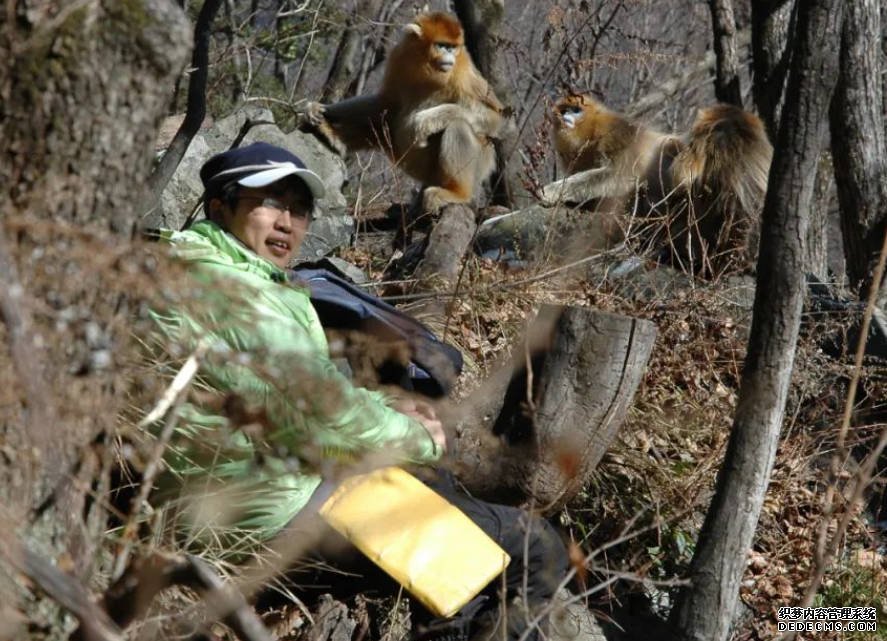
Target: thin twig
x=170, y=400
x=179, y=384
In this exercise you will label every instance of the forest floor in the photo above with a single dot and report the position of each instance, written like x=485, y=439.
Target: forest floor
x=651, y=491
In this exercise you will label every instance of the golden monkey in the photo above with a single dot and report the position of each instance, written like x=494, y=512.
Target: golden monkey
x=435, y=115
x=698, y=194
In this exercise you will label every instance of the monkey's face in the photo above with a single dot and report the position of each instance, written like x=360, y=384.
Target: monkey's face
x=572, y=109
x=569, y=115
x=443, y=56
x=437, y=41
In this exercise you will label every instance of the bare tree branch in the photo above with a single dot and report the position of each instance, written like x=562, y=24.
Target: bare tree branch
x=196, y=110
x=727, y=87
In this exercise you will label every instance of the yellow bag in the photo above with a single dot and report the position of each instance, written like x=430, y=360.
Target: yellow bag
x=415, y=535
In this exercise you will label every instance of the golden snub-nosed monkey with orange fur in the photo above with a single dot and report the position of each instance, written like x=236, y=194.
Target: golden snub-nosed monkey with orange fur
x=698, y=194
x=434, y=115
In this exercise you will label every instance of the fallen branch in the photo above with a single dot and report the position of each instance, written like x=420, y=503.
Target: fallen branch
x=65, y=590
x=131, y=595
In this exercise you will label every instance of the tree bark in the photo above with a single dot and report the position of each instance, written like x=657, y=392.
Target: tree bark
x=80, y=98
x=81, y=95
x=480, y=20
x=583, y=368
x=727, y=86
x=858, y=140
x=705, y=610
x=771, y=26
x=817, y=242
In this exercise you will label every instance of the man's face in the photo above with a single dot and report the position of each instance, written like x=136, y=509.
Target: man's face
x=272, y=220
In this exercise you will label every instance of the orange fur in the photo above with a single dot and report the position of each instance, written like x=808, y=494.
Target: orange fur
x=435, y=122
x=701, y=191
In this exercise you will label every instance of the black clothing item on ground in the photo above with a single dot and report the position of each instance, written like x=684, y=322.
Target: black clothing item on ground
x=538, y=565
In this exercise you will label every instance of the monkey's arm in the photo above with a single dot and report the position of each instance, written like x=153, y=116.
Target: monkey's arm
x=590, y=184
x=355, y=123
x=427, y=122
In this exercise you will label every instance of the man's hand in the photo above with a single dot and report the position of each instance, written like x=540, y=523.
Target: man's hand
x=425, y=414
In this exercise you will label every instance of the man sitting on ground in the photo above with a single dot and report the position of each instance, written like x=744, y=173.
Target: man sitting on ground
x=273, y=399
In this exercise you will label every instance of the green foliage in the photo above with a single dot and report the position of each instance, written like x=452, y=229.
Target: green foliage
x=858, y=584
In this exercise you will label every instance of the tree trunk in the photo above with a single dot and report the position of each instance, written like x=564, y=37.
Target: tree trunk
x=727, y=87
x=447, y=244
x=82, y=92
x=704, y=611
x=375, y=47
x=772, y=24
x=480, y=21
x=584, y=368
x=858, y=140
x=81, y=95
x=817, y=242
x=343, y=70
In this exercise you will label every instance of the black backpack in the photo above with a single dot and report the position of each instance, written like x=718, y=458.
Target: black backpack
x=341, y=305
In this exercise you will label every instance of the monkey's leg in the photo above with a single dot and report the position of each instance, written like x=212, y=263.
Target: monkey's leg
x=463, y=163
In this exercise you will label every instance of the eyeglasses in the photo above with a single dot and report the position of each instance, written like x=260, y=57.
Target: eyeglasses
x=296, y=209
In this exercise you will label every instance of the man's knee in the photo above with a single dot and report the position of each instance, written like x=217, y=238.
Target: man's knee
x=548, y=560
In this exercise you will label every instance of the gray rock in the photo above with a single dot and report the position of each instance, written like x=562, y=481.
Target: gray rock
x=319, y=159
x=183, y=192
x=572, y=621
x=538, y=232
x=353, y=272
x=512, y=236
x=326, y=234
x=224, y=131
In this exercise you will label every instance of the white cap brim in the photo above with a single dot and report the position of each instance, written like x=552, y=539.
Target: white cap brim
x=282, y=170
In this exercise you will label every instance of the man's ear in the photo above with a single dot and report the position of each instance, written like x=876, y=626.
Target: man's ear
x=216, y=210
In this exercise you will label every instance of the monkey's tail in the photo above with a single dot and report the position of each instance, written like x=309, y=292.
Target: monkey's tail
x=727, y=156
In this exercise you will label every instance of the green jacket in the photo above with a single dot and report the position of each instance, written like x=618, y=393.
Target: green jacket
x=267, y=350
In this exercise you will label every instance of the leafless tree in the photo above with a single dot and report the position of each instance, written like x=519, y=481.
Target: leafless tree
x=196, y=110
x=705, y=610
x=345, y=60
